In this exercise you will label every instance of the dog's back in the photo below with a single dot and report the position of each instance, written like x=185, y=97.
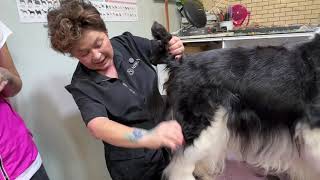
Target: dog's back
x=263, y=87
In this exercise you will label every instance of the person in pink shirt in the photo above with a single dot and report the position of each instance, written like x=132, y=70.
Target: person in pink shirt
x=19, y=156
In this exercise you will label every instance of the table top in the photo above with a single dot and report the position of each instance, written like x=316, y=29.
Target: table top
x=240, y=35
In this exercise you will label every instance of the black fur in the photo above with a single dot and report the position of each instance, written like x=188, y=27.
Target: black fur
x=163, y=38
x=264, y=89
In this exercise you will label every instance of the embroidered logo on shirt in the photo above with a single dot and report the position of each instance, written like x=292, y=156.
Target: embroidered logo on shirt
x=131, y=60
x=130, y=71
x=135, y=64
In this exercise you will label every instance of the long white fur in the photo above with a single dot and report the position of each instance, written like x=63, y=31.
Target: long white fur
x=277, y=155
x=308, y=165
x=210, y=145
x=280, y=155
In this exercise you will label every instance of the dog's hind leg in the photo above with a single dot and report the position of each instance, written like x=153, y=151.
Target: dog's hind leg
x=311, y=147
x=209, y=147
x=307, y=165
x=310, y=150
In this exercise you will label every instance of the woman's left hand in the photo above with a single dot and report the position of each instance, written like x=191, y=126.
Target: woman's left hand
x=3, y=78
x=176, y=47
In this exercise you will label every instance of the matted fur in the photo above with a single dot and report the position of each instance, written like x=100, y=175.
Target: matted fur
x=260, y=104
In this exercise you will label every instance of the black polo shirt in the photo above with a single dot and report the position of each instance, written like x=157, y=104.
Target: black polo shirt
x=125, y=99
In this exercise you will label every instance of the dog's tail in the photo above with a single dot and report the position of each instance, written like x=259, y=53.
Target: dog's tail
x=161, y=54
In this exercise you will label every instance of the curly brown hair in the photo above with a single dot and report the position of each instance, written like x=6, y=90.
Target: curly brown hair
x=66, y=23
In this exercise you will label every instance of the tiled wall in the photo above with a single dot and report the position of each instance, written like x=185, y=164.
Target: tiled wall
x=276, y=12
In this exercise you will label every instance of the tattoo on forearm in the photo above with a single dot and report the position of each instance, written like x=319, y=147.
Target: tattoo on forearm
x=136, y=134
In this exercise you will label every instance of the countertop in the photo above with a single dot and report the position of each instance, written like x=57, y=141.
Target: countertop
x=251, y=34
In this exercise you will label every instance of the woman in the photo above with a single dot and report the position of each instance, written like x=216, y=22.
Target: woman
x=113, y=85
x=19, y=157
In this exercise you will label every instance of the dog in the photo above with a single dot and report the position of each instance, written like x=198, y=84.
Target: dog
x=24, y=11
x=43, y=2
x=37, y=2
x=38, y=12
x=260, y=104
x=31, y=12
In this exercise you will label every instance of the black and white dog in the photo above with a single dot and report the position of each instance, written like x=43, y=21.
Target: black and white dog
x=261, y=104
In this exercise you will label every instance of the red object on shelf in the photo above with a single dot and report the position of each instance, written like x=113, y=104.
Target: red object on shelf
x=239, y=15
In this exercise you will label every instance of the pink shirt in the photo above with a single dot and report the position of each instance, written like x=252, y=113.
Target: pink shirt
x=17, y=149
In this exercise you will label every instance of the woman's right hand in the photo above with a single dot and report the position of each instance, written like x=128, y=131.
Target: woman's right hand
x=166, y=134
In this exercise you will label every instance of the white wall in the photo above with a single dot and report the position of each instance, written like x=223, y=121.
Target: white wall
x=67, y=149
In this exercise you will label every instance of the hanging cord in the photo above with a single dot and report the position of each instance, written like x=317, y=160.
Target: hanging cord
x=167, y=15
x=172, y=115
